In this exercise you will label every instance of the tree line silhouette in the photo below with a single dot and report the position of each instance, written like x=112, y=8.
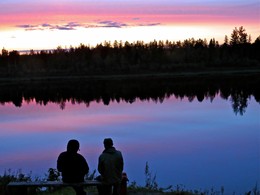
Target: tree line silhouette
x=137, y=57
x=237, y=89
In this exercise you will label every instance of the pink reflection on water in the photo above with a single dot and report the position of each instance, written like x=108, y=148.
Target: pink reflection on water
x=63, y=123
x=35, y=118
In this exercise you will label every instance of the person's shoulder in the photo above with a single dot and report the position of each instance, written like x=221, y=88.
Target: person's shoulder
x=101, y=155
x=119, y=152
x=62, y=155
x=80, y=156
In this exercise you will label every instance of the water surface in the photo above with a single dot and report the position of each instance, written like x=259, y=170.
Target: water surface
x=189, y=141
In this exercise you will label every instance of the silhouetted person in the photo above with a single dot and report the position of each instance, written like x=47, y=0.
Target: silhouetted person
x=110, y=166
x=73, y=166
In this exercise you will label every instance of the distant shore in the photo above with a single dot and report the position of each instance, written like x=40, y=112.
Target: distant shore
x=177, y=74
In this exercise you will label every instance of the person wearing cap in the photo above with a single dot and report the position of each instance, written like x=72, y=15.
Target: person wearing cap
x=73, y=166
x=110, y=167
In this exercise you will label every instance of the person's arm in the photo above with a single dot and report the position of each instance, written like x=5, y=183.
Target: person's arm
x=100, y=166
x=86, y=167
x=59, y=163
x=121, y=162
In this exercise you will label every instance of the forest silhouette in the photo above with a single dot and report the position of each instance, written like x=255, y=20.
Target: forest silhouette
x=117, y=58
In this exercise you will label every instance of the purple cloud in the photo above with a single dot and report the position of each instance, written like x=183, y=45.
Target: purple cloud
x=26, y=26
x=108, y=23
x=74, y=25
x=45, y=26
x=150, y=24
x=62, y=27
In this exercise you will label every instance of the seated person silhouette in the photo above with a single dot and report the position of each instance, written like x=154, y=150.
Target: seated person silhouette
x=110, y=166
x=73, y=166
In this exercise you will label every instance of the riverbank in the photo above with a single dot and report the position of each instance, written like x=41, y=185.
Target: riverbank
x=226, y=72
x=70, y=191
x=132, y=188
x=153, y=86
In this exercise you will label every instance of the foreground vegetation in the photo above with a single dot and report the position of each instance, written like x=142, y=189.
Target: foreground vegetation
x=108, y=58
x=150, y=187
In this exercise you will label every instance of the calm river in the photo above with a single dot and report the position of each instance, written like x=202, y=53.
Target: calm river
x=195, y=141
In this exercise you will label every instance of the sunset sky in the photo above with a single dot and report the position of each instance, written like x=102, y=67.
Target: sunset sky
x=28, y=24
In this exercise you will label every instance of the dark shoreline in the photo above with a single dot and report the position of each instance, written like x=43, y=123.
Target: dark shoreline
x=178, y=74
x=237, y=86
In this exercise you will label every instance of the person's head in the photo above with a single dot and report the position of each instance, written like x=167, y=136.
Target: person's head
x=73, y=146
x=108, y=143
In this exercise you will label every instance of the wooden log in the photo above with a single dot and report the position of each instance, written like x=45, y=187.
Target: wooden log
x=27, y=188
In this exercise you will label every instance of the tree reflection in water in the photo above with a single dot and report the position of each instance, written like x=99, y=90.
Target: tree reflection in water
x=237, y=89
